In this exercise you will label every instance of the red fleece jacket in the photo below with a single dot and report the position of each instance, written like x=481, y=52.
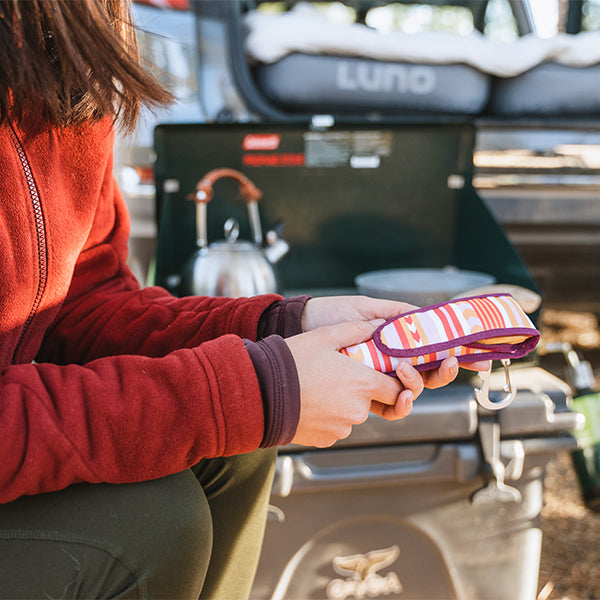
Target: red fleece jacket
x=127, y=384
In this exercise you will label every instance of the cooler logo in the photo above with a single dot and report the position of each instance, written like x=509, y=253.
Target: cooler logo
x=362, y=579
x=261, y=141
x=377, y=78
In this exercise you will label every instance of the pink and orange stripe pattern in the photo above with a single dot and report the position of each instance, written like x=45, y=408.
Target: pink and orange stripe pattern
x=473, y=328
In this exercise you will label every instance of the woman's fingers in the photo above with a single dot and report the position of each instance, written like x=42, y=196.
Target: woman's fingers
x=413, y=384
x=410, y=378
x=320, y=312
x=400, y=409
x=446, y=373
x=479, y=365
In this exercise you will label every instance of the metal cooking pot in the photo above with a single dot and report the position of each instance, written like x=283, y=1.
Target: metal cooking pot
x=231, y=267
x=422, y=287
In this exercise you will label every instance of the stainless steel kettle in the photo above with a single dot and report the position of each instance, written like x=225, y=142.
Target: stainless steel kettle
x=231, y=267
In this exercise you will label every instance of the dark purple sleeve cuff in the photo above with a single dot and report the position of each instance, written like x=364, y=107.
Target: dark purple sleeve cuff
x=283, y=317
x=279, y=387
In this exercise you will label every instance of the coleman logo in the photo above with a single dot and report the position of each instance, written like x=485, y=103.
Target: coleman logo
x=261, y=141
x=373, y=77
x=361, y=577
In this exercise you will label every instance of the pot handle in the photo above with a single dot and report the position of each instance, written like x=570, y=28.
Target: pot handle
x=204, y=194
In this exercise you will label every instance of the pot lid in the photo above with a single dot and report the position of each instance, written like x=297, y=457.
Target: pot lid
x=448, y=280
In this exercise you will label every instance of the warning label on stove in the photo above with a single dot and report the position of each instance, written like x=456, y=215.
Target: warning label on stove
x=357, y=149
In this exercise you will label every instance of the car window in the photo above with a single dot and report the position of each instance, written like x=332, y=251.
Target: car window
x=417, y=17
x=590, y=17
x=500, y=22
x=167, y=41
x=564, y=16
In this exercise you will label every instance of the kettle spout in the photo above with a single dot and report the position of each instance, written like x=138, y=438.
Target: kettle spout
x=276, y=247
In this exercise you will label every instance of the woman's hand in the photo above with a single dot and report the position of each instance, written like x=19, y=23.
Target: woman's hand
x=319, y=312
x=329, y=310
x=336, y=392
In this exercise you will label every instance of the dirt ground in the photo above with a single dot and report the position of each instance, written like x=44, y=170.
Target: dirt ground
x=570, y=565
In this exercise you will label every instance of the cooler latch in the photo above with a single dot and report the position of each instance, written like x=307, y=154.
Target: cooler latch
x=496, y=490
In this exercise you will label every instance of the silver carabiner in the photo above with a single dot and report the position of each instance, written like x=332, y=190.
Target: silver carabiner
x=483, y=395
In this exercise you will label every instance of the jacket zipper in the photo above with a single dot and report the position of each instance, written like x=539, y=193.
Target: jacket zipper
x=40, y=231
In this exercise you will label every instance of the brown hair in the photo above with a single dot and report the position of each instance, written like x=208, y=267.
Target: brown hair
x=68, y=61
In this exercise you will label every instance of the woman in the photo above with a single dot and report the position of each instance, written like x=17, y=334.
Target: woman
x=137, y=430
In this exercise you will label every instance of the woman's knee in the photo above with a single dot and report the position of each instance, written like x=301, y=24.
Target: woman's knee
x=251, y=472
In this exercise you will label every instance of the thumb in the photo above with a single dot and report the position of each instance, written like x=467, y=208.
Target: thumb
x=351, y=332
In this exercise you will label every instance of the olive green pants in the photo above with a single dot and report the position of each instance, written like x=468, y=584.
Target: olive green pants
x=190, y=535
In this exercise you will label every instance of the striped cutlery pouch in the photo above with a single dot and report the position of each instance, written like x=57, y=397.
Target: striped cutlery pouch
x=476, y=328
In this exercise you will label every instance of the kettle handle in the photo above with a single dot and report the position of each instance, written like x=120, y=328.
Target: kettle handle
x=204, y=194
x=204, y=188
